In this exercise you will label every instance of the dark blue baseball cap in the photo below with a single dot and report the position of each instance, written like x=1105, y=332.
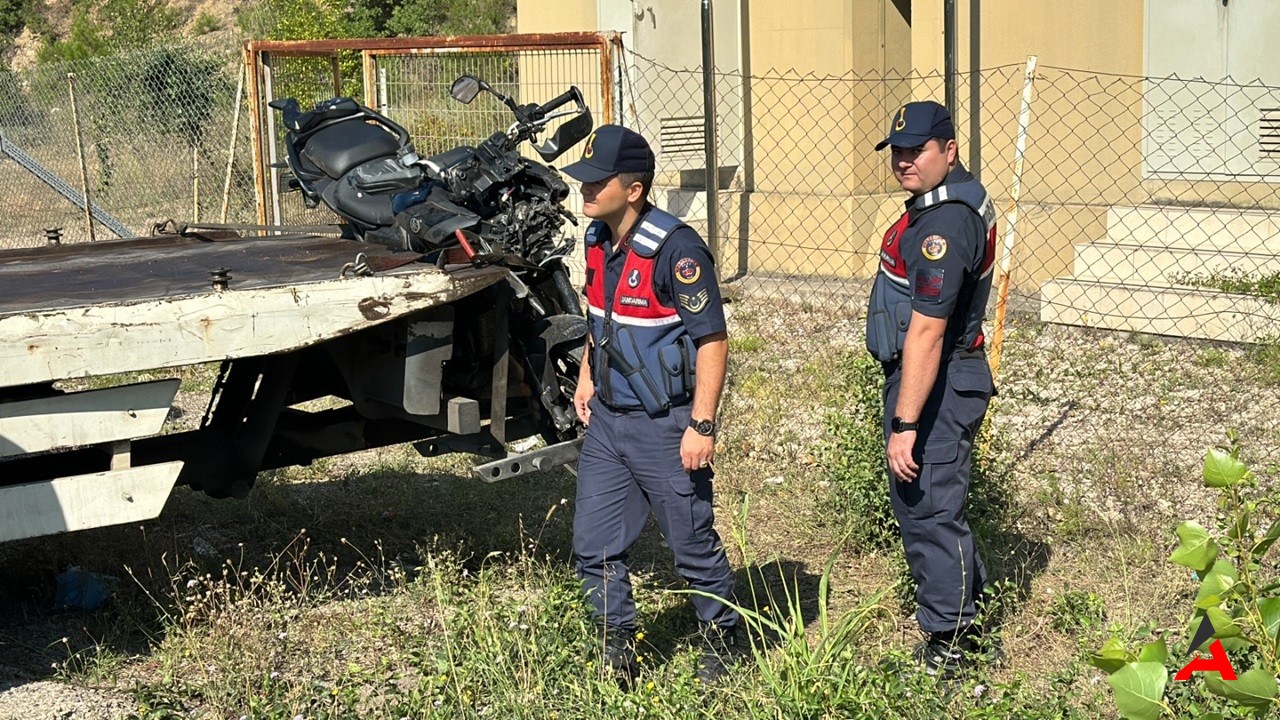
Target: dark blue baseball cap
x=610, y=150
x=914, y=124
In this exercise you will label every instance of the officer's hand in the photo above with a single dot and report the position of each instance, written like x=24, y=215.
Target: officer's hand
x=696, y=450
x=901, y=463
x=581, y=397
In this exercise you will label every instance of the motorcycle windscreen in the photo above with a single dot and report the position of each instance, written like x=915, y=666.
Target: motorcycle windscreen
x=566, y=136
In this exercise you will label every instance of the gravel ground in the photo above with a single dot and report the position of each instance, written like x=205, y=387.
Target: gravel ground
x=22, y=699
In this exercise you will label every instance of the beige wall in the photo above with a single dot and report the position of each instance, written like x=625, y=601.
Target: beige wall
x=1096, y=35
x=810, y=135
x=545, y=16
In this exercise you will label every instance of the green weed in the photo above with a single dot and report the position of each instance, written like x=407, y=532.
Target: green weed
x=745, y=343
x=1075, y=611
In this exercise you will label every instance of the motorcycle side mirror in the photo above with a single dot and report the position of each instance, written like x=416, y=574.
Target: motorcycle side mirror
x=466, y=88
x=566, y=136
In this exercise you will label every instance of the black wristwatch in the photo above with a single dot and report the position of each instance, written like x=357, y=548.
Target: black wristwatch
x=705, y=428
x=897, y=425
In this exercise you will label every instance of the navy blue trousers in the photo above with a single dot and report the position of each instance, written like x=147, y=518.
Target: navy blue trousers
x=630, y=465
x=931, y=510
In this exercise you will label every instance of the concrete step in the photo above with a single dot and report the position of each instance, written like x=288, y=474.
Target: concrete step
x=1177, y=311
x=1150, y=264
x=1175, y=226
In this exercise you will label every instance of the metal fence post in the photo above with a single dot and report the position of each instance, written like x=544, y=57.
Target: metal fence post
x=709, y=125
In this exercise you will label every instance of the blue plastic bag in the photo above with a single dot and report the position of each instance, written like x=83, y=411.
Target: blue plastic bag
x=80, y=589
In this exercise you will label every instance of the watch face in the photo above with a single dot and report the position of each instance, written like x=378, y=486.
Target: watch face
x=704, y=427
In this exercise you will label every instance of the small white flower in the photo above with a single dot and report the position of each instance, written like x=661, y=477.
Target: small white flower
x=979, y=690
x=275, y=675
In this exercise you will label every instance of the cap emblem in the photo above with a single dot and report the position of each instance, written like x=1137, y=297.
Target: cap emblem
x=901, y=122
x=590, y=149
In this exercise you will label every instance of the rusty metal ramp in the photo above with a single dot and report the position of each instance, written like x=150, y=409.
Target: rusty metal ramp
x=129, y=305
x=168, y=266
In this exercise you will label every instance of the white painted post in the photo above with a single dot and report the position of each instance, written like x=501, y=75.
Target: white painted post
x=1011, y=231
x=231, y=151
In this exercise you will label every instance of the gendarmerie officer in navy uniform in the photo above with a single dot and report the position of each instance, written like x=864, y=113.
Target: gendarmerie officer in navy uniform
x=924, y=324
x=648, y=395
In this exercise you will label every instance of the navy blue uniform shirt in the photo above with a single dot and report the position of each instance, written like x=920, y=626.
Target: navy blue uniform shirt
x=684, y=277
x=942, y=253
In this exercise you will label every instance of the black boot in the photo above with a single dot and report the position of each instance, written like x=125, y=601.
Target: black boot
x=619, y=652
x=942, y=655
x=947, y=654
x=719, y=648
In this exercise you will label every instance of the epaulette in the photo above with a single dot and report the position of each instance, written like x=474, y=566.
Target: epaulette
x=654, y=229
x=592, y=236
x=970, y=193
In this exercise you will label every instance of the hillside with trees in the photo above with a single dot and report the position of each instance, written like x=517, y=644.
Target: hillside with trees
x=35, y=31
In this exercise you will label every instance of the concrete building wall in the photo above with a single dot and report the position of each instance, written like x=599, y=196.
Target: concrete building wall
x=545, y=16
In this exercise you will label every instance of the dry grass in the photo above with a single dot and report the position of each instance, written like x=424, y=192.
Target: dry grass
x=1098, y=435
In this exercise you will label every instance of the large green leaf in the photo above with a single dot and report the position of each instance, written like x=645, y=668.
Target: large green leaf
x=1155, y=651
x=1223, y=625
x=1269, y=609
x=1139, y=689
x=1255, y=689
x=1113, y=656
x=1196, y=549
x=1216, y=584
x=1222, y=470
x=1273, y=534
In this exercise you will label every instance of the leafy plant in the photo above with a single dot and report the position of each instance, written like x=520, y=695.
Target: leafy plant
x=204, y=23
x=1238, y=595
x=854, y=454
x=1234, y=280
x=1074, y=611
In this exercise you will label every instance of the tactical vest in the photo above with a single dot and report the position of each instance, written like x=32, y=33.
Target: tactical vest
x=642, y=356
x=889, y=310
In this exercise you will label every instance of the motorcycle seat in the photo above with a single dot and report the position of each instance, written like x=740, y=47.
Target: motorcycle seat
x=340, y=147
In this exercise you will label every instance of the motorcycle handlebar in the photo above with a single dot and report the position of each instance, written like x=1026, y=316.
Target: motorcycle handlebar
x=571, y=94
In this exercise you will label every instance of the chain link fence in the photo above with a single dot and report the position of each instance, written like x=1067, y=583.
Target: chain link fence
x=1143, y=205
x=1143, y=227
x=151, y=135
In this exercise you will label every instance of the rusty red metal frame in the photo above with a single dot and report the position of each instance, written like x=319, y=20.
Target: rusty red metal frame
x=607, y=44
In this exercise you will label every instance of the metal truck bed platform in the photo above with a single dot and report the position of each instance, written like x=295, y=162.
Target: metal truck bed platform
x=121, y=306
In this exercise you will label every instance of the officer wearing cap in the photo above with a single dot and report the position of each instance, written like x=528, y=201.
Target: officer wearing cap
x=924, y=324
x=648, y=396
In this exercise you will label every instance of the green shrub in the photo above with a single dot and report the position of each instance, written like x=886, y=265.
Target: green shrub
x=853, y=454
x=205, y=23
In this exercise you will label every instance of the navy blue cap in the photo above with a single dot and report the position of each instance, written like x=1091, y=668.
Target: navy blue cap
x=914, y=124
x=610, y=150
